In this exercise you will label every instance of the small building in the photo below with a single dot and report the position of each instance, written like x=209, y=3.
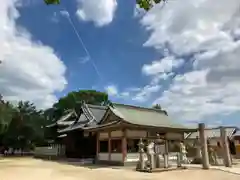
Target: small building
x=65, y=121
x=236, y=138
x=119, y=130
x=212, y=134
x=79, y=144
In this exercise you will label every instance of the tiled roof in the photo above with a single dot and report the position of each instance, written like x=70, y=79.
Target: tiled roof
x=72, y=127
x=98, y=112
x=212, y=133
x=237, y=133
x=62, y=136
x=91, y=116
x=145, y=116
x=112, y=123
x=63, y=120
x=65, y=123
x=65, y=117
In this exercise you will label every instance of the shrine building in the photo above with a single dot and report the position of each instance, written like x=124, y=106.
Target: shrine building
x=110, y=134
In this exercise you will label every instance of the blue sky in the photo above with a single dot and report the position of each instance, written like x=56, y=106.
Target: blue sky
x=117, y=52
x=181, y=56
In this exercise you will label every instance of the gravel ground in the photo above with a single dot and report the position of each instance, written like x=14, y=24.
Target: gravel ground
x=34, y=169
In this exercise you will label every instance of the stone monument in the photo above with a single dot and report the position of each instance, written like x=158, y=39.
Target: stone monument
x=158, y=150
x=150, y=155
x=198, y=157
x=141, y=165
x=212, y=154
x=183, y=153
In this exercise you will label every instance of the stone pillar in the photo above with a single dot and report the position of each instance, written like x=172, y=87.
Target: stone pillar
x=158, y=154
x=109, y=146
x=97, y=145
x=151, y=159
x=166, y=155
x=158, y=160
x=124, y=145
x=179, y=159
x=150, y=155
x=141, y=163
x=226, y=153
x=204, y=150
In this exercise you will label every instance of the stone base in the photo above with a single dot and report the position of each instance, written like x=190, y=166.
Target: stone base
x=197, y=161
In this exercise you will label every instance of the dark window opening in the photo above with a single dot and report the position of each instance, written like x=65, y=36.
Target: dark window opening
x=116, y=146
x=103, y=146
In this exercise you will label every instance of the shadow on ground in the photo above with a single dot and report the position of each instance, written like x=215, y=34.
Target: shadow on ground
x=89, y=165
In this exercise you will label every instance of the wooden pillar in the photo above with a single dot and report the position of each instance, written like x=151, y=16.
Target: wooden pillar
x=203, y=140
x=109, y=146
x=124, y=144
x=225, y=145
x=166, y=156
x=97, y=145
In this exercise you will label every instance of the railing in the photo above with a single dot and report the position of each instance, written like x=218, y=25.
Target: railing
x=54, y=150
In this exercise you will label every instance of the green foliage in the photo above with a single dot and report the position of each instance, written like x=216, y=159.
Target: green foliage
x=158, y=106
x=24, y=125
x=144, y=4
x=6, y=115
x=148, y=4
x=52, y=2
x=74, y=100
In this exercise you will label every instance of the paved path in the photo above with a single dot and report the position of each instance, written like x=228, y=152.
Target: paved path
x=234, y=169
x=32, y=169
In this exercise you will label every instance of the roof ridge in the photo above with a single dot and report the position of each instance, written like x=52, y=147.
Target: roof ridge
x=219, y=127
x=139, y=107
x=96, y=106
x=86, y=111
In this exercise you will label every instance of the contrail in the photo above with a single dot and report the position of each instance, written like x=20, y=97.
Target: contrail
x=67, y=15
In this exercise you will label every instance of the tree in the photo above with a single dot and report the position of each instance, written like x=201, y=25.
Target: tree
x=6, y=115
x=158, y=107
x=48, y=2
x=144, y=4
x=74, y=100
x=148, y=4
x=23, y=126
x=26, y=126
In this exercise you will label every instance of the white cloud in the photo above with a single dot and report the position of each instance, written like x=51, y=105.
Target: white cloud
x=29, y=70
x=164, y=65
x=55, y=18
x=101, y=12
x=84, y=60
x=125, y=94
x=192, y=26
x=162, y=76
x=64, y=13
x=139, y=95
x=209, y=30
x=145, y=93
x=138, y=12
x=161, y=69
x=111, y=90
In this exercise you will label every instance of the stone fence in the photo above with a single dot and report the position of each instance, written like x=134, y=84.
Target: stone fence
x=53, y=151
